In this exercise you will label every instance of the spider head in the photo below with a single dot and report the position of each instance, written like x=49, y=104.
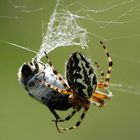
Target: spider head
x=28, y=70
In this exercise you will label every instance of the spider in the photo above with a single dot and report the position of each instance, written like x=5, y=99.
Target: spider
x=78, y=91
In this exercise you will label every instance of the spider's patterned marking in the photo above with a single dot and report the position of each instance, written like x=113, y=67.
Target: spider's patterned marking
x=80, y=75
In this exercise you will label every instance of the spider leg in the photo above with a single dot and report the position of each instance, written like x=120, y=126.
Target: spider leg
x=68, y=117
x=58, y=76
x=62, y=91
x=99, y=97
x=102, y=95
x=110, y=63
x=77, y=123
x=101, y=72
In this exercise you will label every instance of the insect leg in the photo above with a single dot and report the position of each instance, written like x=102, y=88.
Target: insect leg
x=54, y=113
x=47, y=102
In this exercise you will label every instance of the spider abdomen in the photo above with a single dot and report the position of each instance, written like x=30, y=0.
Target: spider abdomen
x=80, y=75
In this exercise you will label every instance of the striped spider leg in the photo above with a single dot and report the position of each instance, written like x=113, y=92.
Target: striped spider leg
x=103, y=83
x=58, y=75
x=102, y=74
x=110, y=63
x=77, y=124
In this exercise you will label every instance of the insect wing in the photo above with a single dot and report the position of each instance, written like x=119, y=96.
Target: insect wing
x=80, y=75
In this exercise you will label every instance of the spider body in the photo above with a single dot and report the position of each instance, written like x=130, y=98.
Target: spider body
x=81, y=76
x=78, y=91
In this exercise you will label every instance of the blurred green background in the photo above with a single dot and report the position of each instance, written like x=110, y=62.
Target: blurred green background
x=22, y=118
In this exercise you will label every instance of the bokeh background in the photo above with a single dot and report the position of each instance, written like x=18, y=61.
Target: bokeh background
x=117, y=24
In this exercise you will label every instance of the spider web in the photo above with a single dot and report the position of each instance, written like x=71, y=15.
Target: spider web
x=81, y=23
x=63, y=30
